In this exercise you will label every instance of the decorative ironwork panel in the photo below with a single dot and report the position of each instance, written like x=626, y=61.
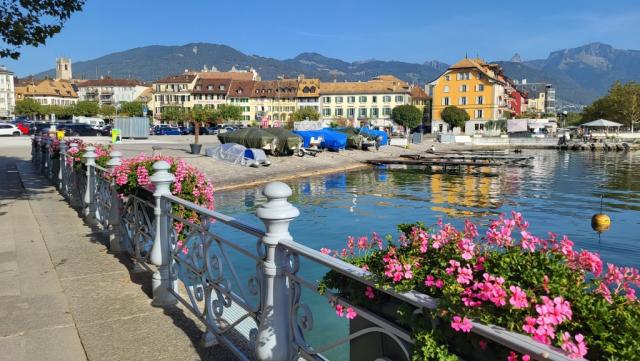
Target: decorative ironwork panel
x=202, y=262
x=138, y=228
x=103, y=196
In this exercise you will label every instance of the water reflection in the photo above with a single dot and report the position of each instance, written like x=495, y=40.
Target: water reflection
x=557, y=191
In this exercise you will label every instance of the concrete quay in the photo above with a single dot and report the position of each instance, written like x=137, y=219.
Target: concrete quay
x=63, y=297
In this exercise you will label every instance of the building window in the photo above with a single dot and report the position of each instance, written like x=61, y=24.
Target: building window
x=480, y=87
x=463, y=88
x=351, y=99
x=351, y=112
x=374, y=99
x=326, y=99
x=447, y=77
x=339, y=112
x=338, y=100
x=363, y=99
x=446, y=89
x=326, y=112
x=386, y=111
x=463, y=100
x=399, y=98
x=386, y=98
x=479, y=126
x=480, y=99
x=445, y=101
x=221, y=87
x=362, y=112
x=374, y=112
x=479, y=114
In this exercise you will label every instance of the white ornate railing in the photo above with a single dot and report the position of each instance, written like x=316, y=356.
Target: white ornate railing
x=251, y=302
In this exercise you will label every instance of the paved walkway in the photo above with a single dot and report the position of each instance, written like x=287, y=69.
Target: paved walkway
x=63, y=297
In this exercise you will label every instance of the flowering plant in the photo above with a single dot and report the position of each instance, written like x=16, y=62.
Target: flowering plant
x=190, y=184
x=509, y=277
x=75, y=156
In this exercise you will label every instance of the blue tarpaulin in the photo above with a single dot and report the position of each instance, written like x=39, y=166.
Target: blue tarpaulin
x=331, y=140
x=372, y=133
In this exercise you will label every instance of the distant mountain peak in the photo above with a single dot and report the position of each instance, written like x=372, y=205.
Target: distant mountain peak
x=516, y=58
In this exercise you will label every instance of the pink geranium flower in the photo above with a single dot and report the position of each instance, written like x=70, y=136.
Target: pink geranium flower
x=461, y=324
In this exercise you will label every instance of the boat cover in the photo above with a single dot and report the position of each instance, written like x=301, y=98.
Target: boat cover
x=229, y=152
x=330, y=140
x=373, y=134
x=248, y=137
x=287, y=140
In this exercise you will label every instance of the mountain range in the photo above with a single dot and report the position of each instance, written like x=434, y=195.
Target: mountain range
x=580, y=74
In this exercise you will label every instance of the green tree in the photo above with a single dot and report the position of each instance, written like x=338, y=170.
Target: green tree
x=61, y=112
x=408, y=116
x=454, y=116
x=227, y=112
x=305, y=113
x=28, y=107
x=86, y=108
x=32, y=22
x=132, y=109
x=200, y=115
x=107, y=111
x=621, y=104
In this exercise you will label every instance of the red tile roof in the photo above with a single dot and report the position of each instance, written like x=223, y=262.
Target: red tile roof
x=109, y=82
x=211, y=86
x=182, y=78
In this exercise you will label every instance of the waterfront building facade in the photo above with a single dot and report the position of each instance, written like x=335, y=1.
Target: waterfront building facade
x=109, y=91
x=240, y=92
x=173, y=91
x=475, y=86
x=7, y=96
x=541, y=96
x=274, y=101
x=308, y=93
x=48, y=92
x=372, y=100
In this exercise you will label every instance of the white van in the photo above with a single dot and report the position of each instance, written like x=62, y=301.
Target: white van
x=96, y=123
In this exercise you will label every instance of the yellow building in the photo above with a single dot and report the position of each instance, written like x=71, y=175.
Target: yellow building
x=274, y=101
x=473, y=85
x=48, y=92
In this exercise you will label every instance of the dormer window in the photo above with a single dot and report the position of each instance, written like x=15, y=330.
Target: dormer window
x=209, y=87
x=313, y=89
x=198, y=87
x=305, y=89
x=239, y=91
x=221, y=87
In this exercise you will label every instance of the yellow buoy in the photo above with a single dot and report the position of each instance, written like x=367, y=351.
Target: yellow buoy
x=600, y=222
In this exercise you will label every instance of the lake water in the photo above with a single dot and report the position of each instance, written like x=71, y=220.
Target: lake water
x=559, y=191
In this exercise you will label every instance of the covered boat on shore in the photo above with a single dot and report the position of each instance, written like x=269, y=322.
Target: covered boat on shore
x=281, y=142
x=329, y=139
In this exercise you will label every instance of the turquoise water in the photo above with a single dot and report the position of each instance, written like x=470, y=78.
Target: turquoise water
x=558, y=192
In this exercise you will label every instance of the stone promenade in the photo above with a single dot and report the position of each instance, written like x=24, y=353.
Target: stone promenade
x=63, y=297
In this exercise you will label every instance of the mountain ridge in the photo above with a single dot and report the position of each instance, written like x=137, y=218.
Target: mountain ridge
x=580, y=74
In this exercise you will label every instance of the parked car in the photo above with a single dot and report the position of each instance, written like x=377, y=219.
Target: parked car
x=422, y=128
x=184, y=130
x=164, y=129
x=39, y=128
x=79, y=129
x=9, y=129
x=23, y=126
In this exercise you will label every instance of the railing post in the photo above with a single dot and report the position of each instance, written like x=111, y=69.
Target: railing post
x=89, y=210
x=114, y=211
x=161, y=282
x=43, y=155
x=274, y=332
x=49, y=174
x=75, y=198
x=62, y=168
x=34, y=148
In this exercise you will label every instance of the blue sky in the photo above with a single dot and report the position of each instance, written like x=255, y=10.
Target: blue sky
x=414, y=31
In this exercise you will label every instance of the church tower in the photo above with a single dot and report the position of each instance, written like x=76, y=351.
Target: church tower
x=63, y=69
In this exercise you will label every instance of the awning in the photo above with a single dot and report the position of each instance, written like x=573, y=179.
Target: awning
x=601, y=123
